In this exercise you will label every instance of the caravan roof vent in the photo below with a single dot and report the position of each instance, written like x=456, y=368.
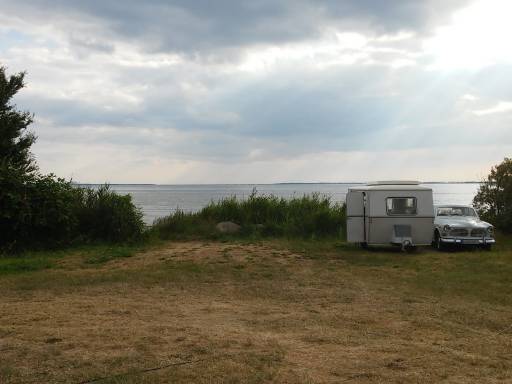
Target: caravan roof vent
x=394, y=182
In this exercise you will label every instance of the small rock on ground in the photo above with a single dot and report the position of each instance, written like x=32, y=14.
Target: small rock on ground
x=227, y=227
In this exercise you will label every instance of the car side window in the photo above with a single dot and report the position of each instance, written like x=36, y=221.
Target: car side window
x=444, y=211
x=456, y=211
x=401, y=206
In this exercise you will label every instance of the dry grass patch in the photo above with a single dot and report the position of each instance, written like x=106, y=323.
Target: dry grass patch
x=252, y=313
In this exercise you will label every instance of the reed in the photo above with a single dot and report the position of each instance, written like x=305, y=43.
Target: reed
x=309, y=216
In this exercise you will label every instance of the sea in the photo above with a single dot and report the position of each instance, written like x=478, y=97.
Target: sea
x=161, y=200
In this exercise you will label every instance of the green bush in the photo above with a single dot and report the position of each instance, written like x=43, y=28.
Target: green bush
x=42, y=211
x=263, y=215
x=52, y=204
x=36, y=211
x=105, y=215
x=494, y=198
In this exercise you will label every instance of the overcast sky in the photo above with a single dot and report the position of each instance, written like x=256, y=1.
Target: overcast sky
x=263, y=90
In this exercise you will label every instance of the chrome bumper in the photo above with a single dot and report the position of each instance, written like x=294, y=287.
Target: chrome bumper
x=468, y=240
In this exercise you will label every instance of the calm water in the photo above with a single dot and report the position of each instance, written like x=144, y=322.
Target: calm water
x=161, y=200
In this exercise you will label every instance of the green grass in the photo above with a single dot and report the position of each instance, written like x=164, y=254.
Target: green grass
x=474, y=274
x=30, y=261
x=10, y=265
x=104, y=254
x=471, y=273
x=89, y=254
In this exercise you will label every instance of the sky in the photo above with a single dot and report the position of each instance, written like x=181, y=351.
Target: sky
x=263, y=91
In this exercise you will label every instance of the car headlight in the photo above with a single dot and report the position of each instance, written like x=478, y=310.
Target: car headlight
x=446, y=228
x=490, y=231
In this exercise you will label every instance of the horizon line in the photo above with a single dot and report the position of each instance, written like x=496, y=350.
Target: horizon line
x=276, y=183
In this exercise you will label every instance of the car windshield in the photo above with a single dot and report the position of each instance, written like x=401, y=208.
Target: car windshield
x=456, y=211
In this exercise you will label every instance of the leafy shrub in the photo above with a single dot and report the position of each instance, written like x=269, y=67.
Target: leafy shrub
x=265, y=215
x=36, y=210
x=39, y=211
x=52, y=204
x=105, y=215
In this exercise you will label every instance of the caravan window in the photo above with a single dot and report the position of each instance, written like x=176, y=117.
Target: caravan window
x=401, y=205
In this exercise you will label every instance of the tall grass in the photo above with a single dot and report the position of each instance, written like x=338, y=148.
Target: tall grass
x=309, y=216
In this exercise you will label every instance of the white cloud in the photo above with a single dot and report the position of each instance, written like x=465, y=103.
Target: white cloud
x=502, y=106
x=333, y=48
x=478, y=36
x=469, y=97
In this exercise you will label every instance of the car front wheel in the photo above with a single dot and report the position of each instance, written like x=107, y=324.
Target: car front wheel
x=438, y=244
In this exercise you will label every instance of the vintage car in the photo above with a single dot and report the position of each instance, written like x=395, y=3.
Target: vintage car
x=460, y=225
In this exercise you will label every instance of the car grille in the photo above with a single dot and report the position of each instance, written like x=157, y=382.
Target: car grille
x=478, y=232
x=460, y=232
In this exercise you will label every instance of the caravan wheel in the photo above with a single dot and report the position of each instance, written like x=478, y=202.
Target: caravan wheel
x=410, y=249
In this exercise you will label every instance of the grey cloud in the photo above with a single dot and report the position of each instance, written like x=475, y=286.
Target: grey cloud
x=204, y=27
x=90, y=45
x=286, y=114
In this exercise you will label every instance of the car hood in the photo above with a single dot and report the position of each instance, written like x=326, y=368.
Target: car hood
x=461, y=221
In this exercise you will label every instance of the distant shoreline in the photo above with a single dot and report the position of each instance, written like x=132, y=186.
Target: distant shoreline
x=283, y=183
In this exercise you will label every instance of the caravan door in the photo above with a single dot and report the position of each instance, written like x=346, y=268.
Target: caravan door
x=355, y=216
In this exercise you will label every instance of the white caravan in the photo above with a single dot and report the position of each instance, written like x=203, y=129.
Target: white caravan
x=390, y=212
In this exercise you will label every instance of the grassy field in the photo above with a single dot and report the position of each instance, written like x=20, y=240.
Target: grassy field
x=256, y=312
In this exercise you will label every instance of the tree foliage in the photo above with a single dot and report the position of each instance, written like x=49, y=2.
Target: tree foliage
x=15, y=139
x=40, y=211
x=494, y=198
